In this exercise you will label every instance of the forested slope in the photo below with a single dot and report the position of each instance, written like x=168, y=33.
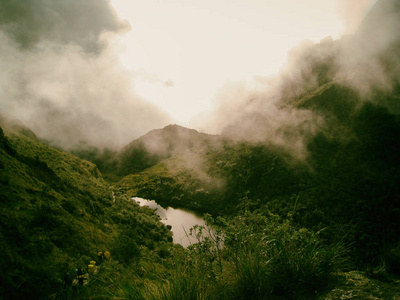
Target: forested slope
x=347, y=175
x=56, y=214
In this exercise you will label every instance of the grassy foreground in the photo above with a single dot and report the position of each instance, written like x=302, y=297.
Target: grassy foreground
x=247, y=257
x=57, y=212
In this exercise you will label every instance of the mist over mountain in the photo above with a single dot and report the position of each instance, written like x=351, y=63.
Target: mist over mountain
x=172, y=140
x=332, y=99
x=268, y=111
x=61, y=77
x=329, y=131
x=88, y=98
x=28, y=24
x=300, y=187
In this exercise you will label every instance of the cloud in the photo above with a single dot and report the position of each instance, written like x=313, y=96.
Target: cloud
x=153, y=78
x=169, y=83
x=367, y=61
x=60, y=76
x=64, y=21
x=254, y=113
x=371, y=60
x=353, y=12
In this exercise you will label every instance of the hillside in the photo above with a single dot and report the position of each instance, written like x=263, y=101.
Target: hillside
x=161, y=144
x=56, y=213
x=348, y=179
x=313, y=214
x=146, y=151
x=59, y=212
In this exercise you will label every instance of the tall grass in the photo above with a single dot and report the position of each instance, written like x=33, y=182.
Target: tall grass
x=252, y=280
x=387, y=264
x=262, y=258
x=185, y=284
x=284, y=261
x=303, y=269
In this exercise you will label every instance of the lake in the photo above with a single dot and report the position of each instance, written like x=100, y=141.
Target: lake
x=180, y=220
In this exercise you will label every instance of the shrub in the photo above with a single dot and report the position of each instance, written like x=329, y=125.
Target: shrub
x=275, y=258
x=391, y=257
x=303, y=264
x=187, y=283
x=126, y=250
x=70, y=207
x=388, y=263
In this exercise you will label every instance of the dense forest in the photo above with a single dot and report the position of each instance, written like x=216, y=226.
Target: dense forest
x=316, y=216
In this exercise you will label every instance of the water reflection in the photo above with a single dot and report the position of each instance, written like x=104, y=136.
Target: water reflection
x=179, y=219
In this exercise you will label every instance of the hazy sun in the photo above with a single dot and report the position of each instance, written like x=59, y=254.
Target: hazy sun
x=182, y=51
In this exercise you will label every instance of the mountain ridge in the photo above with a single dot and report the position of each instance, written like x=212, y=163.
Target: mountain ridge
x=159, y=144
x=56, y=213
x=171, y=139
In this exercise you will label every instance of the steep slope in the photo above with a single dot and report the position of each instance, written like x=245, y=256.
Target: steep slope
x=349, y=175
x=14, y=126
x=45, y=213
x=56, y=213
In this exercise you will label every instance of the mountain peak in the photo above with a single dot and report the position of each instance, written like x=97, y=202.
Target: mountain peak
x=172, y=139
x=160, y=144
x=174, y=129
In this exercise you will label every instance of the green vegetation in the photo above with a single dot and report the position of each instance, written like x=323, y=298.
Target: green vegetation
x=343, y=198
x=323, y=226
x=146, y=151
x=56, y=214
x=279, y=228
x=262, y=258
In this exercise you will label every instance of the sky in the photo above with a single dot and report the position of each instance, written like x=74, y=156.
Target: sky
x=105, y=72
x=182, y=51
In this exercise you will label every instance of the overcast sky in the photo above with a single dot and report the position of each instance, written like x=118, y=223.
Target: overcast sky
x=105, y=72
x=181, y=52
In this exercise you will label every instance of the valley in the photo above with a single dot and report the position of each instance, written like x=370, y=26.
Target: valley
x=297, y=197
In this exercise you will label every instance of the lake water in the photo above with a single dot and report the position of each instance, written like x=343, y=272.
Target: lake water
x=179, y=219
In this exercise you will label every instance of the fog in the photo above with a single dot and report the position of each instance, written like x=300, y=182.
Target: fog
x=366, y=61
x=62, y=77
x=372, y=60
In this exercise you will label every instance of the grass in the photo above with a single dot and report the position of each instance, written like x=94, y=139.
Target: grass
x=277, y=261
x=57, y=213
x=272, y=257
x=356, y=285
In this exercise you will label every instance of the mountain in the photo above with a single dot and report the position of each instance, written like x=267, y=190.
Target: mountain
x=334, y=208
x=160, y=144
x=57, y=212
x=349, y=137
x=146, y=151
x=172, y=140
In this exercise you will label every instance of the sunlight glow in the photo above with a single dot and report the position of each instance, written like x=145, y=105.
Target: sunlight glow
x=182, y=51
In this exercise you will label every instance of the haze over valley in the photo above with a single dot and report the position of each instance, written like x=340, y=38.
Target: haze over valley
x=277, y=123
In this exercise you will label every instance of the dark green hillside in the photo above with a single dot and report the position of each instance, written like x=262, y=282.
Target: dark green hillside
x=344, y=196
x=56, y=213
x=146, y=151
x=350, y=177
x=180, y=181
x=321, y=225
x=349, y=180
